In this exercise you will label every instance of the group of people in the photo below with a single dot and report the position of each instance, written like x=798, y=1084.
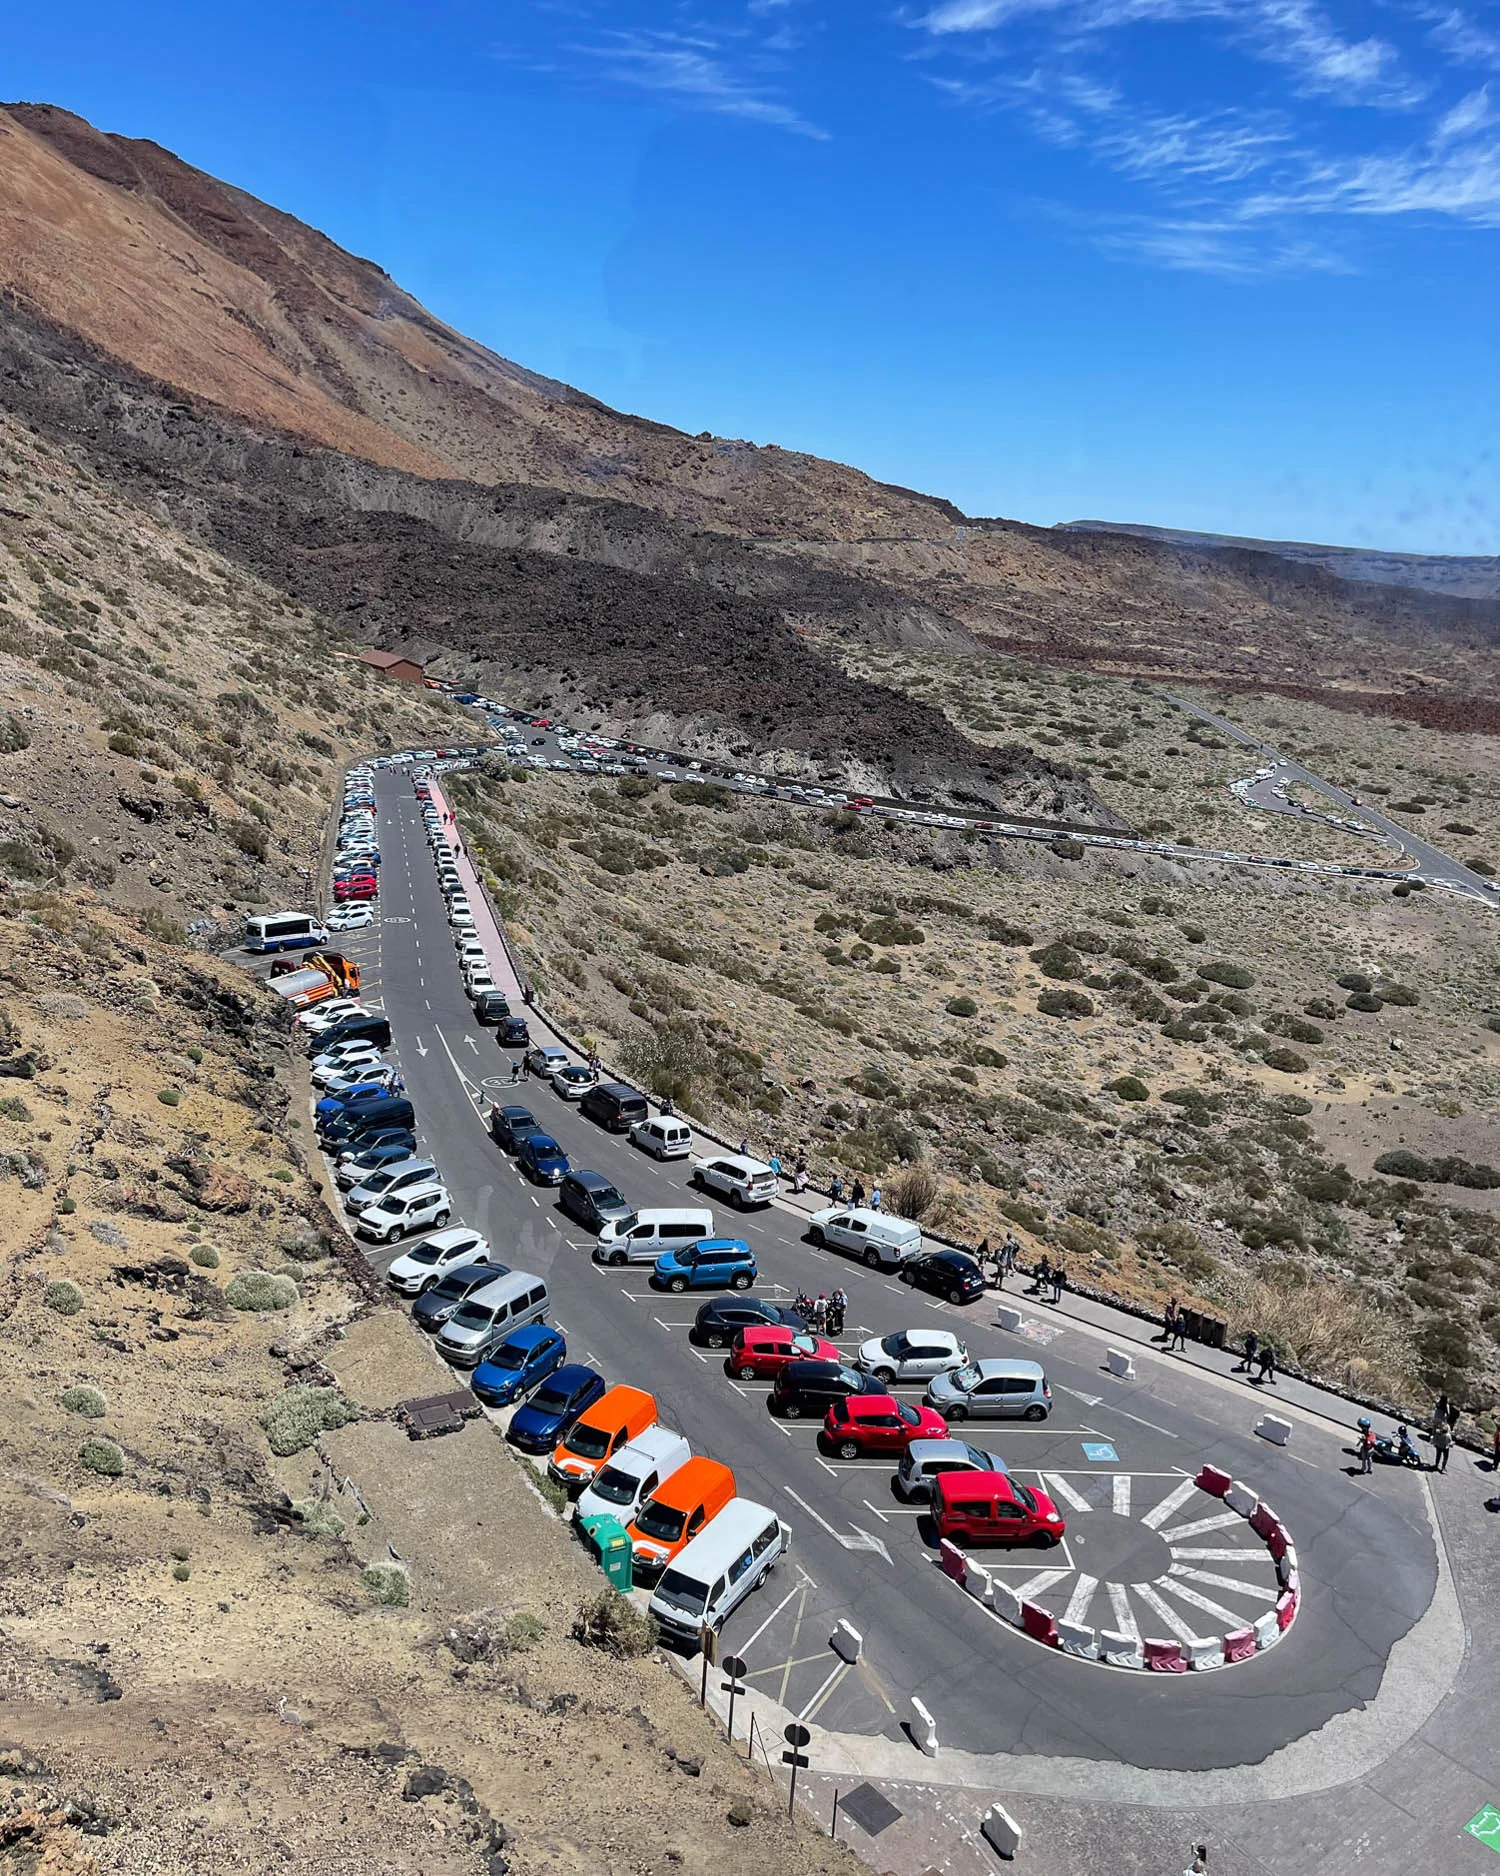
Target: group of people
x=824, y=1315
x=1259, y=1360
x=856, y=1192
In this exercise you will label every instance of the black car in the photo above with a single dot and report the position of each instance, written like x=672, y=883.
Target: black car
x=945, y=1273
x=807, y=1389
x=513, y=1033
x=433, y=1307
x=510, y=1125
x=615, y=1106
x=720, y=1319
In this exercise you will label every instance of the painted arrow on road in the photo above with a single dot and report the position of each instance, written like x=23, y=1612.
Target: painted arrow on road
x=472, y=1044
x=421, y=1046
x=851, y=1540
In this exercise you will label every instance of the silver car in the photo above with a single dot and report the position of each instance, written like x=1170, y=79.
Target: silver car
x=994, y=1389
x=395, y=1178
x=911, y=1355
x=924, y=1460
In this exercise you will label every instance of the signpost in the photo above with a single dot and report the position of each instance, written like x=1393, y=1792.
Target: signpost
x=708, y=1641
x=796, y=1736
x=734, y=1667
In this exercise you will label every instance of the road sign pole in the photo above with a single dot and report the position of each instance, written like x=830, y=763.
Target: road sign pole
x=734, y=1667
x=796, y=1736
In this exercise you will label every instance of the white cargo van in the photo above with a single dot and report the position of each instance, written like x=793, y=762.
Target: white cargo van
x=621, y=1487
x=718, y=1570
x=641, y=1237
x=877, y=1239
x=489, y=1315
x=666, y=1137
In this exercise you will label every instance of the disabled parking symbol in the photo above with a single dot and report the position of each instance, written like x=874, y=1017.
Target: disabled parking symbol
x=1100, y=1453
x=1486, y=1827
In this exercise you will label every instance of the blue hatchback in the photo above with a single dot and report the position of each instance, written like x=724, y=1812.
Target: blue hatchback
x=514, y=1368
x=351, y=1097
x=557, y=1403
x=710, y=1264
x=542, y=1159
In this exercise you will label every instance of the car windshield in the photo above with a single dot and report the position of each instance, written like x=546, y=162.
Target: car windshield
x=550, y=1400
x=682, y=1592
x=981, y=1462
x=1027, y=1497
x=893, y=1344
x=507, y=1355
x=660, y=1521
x=425, y=1254
x=851, y=1379
x=628, y=1223
x=588, y=1442
x=616, y=1487
x=965, y=1379
x=909, y=1415
x=473, y=1316
x=605, y=1197
x=453, y=1287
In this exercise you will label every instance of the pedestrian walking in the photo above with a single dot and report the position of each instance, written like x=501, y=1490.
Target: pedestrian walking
x=1454, y=1413
x=1168, y=1321
x=985, y=1258
x=836, y=1188
x=1268, y=1364
x=1366, y=1448
x=799, y=1174
x=515, y=1073
x=1199, y=1864
x=857, y=1192
x=1179, y=1333
x=1059, y=1282
x=875, y=1200
x=1442, y=1446
x=1010, y=1250
x=775, y=1164
x=1440, y=1412
x=1495, y=1449
x=1041, y=1277
x=525, y=1068
x=1252, y=1343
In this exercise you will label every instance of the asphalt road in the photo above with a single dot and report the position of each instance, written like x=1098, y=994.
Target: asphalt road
x=1366, y=1556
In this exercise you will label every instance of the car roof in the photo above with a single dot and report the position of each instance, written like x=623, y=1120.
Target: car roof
x=621, y=1090
x=998, y=1483
x=572, y=1375
x=742, y=1162
x=542, y=1143
x=858, y=1404
x=811, y=1370
x=723, y=1246
x=925, y=1452
x=531, y=1336
x=472, y=1274
x=620, y=1401
x=953, y=1257
x=681, y=1490
x=999, y=1364
x=591, y=1181
x=454, y=1234
x=512, y=1112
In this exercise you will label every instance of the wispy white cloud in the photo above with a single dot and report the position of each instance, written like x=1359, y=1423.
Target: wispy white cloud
x=1459, y=180
x=697, y=72
x=1211, y=149
x=1463, y=40
x=1467, y=118
x=1213, y=247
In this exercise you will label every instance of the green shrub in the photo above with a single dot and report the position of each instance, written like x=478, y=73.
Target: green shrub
x=180, y=1572
x=1450, y=1169
x=1282, y=1023
x=1355, y=980
x=65, y=1297
x=102, y=1456
x=1324, y=1008
x=886, y=966
x=85, y=1400
x=1175, y=1244
x=1222, y=971
x=297, y=1415
x=1001, y=932
x=1400, y=1163
x=261, y=1291
x=892, y=931
x=1399, y=994
x=169, y=1097
x=387, y=1584
x=961, y=1006
x=1195, y=934
x=1286, y=1061
x=1129, y=1088
x=1065, y=1003
x=301, y=1242
x=613, y=1623
x=205, y=1256
x=318, y=1516
x=1059, y=961
x=14, y=1108
x=1365, y=1001
x=1069, y=849
x=1493, y=1023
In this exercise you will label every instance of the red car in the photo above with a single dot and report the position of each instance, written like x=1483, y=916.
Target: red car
x=993, y=1508
x=356, y=886
x=878, y=1423
x=764, y=1352
x=861, y=801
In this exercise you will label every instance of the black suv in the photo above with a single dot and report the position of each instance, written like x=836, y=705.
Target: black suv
x=509, y=1126
x=807, y=1389
x=513, y=1033
x=720, y=1319
x=950, y=1274
x=614, y=1106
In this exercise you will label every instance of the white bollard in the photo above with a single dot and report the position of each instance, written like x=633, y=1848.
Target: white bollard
x=1240, y=1498
x=1267, y=1630
x=1001, y=1831
x=1120, y=1650
x=1008, y=1318
x=1286, y=1565
x=1269, y=1427
x=846, y=1642
x=1007, y=1602
x=978, y=1582
x=1205, y=1654
x=1075, y=1638
x=1119, y=1363
x=923, y=1728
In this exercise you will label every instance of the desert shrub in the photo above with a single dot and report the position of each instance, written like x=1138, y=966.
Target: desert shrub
x=886, y=966
x=1222, y=971
x=318, y=1516
x=84, y=1400
x=387, y=1584
x=1447, y=1353
x=63, y=1296
x=1129, y=1088
x=702, y=795
x=1327, y=1186
x=250, y=838
x=1001, y=932
x=204, y=1256
x=14, y=735
x=1195, y=934
x=912, y=1192
x=1492, y=1023
x=169, y=1097
x=1294, y=1028
x=636, y=787
x=1081, y=1237
x=1481, y=866
x=1059, y=961
x=1088, y=942
x=261, y=1291
x=961, y=1006
x=1065, y=1003
x=301, y=1242
x=1365, y=1001
x=1069, y=849
x=297, y=1415
x=1450, y=1169
x=612, y=1622
x=892, y=931
x=1399, y=994
x=102, y=1456
x=1176, y=1244
x=1324, y=1008
x=1355, y=980
x=1155, y=906
x=981, y=1055
x=1286, y=1061
x=181, y=1572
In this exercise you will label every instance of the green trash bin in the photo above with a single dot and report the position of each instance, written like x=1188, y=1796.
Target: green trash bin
x=611, y=1545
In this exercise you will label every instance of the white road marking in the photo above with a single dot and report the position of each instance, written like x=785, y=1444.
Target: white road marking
x=1035, y=1585
x=1231, y=1583
x=1089, y=1400
x=1225, y=1617
x=1078, y=1602
x=1120, y=1494
x=746, y=1646
x=1059, y=1488
x=1214, y=1556
x=1174, y=1622
x=840, y=1669
x=1219, y=1523
x=1144, y=1423
x=1157, y=1516
x=1124, y=1619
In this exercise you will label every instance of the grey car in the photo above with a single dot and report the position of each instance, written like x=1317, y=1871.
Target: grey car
x=924, y=1460
x=591, y=1198
x=992, y=1390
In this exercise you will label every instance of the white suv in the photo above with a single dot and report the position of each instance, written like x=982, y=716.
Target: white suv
x=402, y=1213
x=742, y=1181
x=424, y=1264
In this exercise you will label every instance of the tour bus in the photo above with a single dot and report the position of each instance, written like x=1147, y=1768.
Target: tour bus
x=284, y=931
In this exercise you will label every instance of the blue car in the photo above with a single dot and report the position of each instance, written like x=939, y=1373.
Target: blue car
x=524, y=1358
x=542, y=1159
x=557, y=1403
x=710, y=1264
x=356, y=1096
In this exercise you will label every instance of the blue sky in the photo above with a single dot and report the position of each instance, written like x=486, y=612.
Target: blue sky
x=1225, y=264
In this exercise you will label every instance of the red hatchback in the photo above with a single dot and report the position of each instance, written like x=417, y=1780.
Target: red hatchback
x=764, y=1352
x=356, y=886
x=993, y=1508
x=878, y=1423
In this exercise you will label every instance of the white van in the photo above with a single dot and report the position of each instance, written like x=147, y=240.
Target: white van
x=666, y=1137
x=715, y=1572
x=641, y=1237
x=489, y=1315
x=877, y=1239
x=621, y=1487
x=284, y=931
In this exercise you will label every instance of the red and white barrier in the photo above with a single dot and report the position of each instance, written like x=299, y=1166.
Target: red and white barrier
x=1120, y=1650
x=1164, y=1657
x=1211, y=1480
x=1239, y=1644
x=1074, y=1638
x=1039, y=1623
x=1204, y=1654
x=953, y=1561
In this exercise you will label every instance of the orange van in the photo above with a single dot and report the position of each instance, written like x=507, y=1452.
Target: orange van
x=674, y=1514
x=615, y=1419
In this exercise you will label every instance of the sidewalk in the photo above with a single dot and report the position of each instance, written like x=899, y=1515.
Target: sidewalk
x=486, y=926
